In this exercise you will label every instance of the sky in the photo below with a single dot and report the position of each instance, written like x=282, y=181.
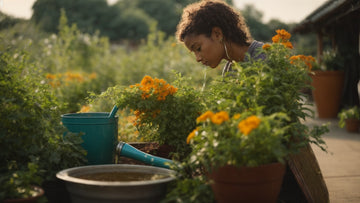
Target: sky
x=284, y=10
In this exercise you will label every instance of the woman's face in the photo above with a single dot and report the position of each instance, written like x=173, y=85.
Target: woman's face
x=208, y=50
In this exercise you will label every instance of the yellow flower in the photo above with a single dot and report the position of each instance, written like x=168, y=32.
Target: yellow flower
x=204, y=116
x=191, y=135
x=219, y=117
x=249, y=124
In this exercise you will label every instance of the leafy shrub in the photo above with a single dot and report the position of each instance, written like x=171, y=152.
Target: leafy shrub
x=31, y=138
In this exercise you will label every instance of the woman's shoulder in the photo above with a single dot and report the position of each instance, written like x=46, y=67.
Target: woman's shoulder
x=254, y=51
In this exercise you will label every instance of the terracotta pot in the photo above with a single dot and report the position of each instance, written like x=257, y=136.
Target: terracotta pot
x=39, y=191
x=352, y=125
x=248, y=184
x=328, y=86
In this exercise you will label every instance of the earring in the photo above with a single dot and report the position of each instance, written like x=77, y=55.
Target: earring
x=226, y=51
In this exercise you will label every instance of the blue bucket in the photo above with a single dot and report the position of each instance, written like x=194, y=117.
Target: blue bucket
x=99, y=134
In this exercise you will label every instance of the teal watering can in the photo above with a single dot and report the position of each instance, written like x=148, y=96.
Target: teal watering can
x=100, y=135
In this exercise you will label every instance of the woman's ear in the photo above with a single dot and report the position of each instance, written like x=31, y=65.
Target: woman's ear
x=217, y=34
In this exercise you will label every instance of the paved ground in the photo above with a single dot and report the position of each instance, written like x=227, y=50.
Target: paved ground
x=341, y=165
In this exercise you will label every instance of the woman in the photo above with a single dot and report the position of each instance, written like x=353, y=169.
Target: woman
x=215, y=31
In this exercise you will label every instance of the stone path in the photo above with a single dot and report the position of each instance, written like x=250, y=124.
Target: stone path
x=341, y=165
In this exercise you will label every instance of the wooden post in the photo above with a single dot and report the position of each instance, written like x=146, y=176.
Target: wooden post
x=319, y=46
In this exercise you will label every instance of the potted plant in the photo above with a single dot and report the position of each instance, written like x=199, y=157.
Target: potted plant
x=21, y=185
x=350, y=118
x=241, y=153
x=254, y=120
x=328, y=82
x=164, y=113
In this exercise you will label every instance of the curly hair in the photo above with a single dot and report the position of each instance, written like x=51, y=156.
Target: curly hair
x=201, y=17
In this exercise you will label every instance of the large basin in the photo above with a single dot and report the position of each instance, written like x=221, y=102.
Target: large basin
x=134, y=191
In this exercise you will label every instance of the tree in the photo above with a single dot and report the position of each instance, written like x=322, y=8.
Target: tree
x=87, y=14
x=258, y=29
x=166, y=13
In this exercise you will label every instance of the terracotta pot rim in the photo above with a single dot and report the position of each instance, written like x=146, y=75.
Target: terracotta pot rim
x=327, y=72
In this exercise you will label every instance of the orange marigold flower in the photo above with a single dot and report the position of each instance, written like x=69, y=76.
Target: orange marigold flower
x=204, y=116
x=92, y=76
x=219, y=117
x=50, y=76
x=276, y=38
x=147, y=81
x=287, y=45
x=84, y=109
x=145, y=96
x=236, y=116
x=249, y=124
x=283, y=34
x=308, y=60
x=191, y=135
x=266, y=46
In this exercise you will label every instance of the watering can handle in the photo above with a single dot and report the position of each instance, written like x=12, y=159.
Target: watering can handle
x=113, y=112
x=126, y=150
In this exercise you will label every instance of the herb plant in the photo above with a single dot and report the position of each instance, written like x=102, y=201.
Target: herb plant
x=349, y=113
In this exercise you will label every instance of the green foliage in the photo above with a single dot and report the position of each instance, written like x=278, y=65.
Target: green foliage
x=332, y=60
x=76, y=63
x=189, y=189
x=27, y=109
x=348, y=113
x=19, y=183
x=30, y=131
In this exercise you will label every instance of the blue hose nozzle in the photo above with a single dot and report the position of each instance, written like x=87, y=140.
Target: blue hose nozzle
x=126, y=150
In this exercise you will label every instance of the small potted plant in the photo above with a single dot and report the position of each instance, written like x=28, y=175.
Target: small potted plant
x=350, y=118
x=328, y=82
x=241, y=152
x=21, y=185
